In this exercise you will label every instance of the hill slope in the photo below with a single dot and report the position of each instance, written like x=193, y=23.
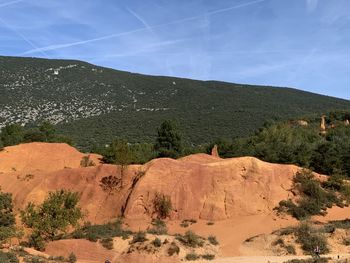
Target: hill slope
x=93, y=104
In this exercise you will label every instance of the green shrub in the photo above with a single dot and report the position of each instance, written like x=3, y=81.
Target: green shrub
x=315, y=200
x=173, y=249
x=311, y=260
x=212, y=240
x=185, y=223
x=158, y=227
x=157, y=242
x=346, y=241
x=8, y=257
x=309, y=239
x=162, y=205
x=192, y=256
x=37, y=241
x=72, y=258
x=342, y=224
x=92, y=237
x=107, y=243
x=290, y=249
x=59, y=258
x=208, y=256
x=95, y=232
x=34, y=259
x=86, y=162
x=279, y=242
x=190, y=239
x=7, y=217
x=139, y=237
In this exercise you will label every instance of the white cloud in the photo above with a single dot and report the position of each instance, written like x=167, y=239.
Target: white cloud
x=146, y=27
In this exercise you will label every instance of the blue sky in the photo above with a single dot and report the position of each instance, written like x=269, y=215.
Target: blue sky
x=294, y=43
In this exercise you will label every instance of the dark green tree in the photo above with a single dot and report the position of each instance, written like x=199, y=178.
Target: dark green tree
x=48, y=131
x=34, y=135
x=169, y=140
x=122, y=153
x=7, y=217
x=12, y=134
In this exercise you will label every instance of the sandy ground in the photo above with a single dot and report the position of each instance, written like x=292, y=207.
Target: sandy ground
x=273, y=259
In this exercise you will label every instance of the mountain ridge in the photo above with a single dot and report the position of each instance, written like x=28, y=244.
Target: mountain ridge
x=177, y=77
x=94, y=104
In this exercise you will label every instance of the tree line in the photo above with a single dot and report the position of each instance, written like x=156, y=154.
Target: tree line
x=278, y=142
x=14, y=134
x=291, y=143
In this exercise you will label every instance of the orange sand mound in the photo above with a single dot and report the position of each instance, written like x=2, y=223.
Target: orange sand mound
x=212, y=191
x=41, y=157
x=239, y=194
x=200, y=186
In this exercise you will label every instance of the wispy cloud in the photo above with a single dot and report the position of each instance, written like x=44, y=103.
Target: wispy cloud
x=149, y=48
x=139, y=18
x=146, y=27
x=78, y=43
x=11, y=3
x=235, y=7
x=23, y=37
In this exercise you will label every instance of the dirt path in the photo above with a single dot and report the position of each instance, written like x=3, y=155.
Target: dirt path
x=274, y=259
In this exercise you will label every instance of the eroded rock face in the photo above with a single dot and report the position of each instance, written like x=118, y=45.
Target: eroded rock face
x=214, y=191
x=200, y=186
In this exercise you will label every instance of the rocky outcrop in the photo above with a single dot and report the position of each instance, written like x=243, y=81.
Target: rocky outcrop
x=214, y=191
x=302, y=123
x=199, y=186
x=214, y=151
x=323, y=125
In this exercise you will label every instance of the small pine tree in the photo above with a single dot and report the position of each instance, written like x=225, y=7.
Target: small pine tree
x=48, y=131
x=169, y=140
x=52, y=218
x=7, y=218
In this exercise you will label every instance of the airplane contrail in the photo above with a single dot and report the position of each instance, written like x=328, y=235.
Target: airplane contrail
x=78, y=43
x=146, y=27
x=149, y=47
x=140, y=19
x=22, y=37
x=11, y=3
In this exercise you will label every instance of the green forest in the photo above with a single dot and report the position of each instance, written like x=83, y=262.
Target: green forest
x=93, y=105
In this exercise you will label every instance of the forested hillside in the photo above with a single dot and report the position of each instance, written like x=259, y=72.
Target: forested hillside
x=93, y=105
x=325, y=149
